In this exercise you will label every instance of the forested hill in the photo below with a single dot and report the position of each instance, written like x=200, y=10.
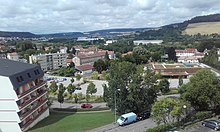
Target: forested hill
x=18, y=34
x=174, y=31
x=207, y=18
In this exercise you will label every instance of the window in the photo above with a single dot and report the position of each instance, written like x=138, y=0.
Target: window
x=21, y=78
x=18, y=79
x=29, y=75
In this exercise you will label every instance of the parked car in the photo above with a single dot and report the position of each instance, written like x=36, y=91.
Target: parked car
x=143, y=115
x=86, y=105
x=127, y=119
x=212, y=124
x=78, y=88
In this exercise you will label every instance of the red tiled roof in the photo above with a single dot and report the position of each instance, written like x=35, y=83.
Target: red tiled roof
x=84, y=67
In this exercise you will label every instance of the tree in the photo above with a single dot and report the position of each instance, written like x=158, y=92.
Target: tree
x=71, y=88
x=53, y=87
x=95, y=75
x=106, y=58
x=60, y=98
x=61, y=88
x=180, y=81
x=203, y=90
x=168, y=110
x=78, y=77
x=164, y=86
x=141, y=55
x=72, y=80
x=105, y=93
x=76, y=98
x=99, y=65
x=172, y=54
x=137, y=88
x=91, y=88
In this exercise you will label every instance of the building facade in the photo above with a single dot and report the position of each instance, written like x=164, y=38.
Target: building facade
x=49, y=61
x=90, y=55
x=23, y=96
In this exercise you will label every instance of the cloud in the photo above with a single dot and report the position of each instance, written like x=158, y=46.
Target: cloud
x=50, y=16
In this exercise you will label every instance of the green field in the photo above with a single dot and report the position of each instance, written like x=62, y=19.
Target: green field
x=203, y=28
x=60, y=122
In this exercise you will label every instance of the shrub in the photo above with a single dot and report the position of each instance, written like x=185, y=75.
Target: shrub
x=202, y=115
x=161, y=128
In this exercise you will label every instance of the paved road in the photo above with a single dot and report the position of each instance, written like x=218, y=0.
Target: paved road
x=71, y=105
x=198, y=128
x=139, y=126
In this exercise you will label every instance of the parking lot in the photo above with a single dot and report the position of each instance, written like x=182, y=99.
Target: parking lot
x=98, y=84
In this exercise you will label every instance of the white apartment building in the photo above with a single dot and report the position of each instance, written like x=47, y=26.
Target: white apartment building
x=23, y=96
x=49, y=61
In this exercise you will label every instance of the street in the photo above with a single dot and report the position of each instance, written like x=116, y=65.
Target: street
x=140, y=126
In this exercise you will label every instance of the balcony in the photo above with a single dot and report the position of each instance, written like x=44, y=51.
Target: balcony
x=25, y=127
x=32, y=89
x=24, y=115
x=30, y=101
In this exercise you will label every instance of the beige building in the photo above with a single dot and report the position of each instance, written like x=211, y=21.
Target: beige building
x=90, y=55
x=49, y=61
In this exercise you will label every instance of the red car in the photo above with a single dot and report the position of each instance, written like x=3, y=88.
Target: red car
x=86, y=106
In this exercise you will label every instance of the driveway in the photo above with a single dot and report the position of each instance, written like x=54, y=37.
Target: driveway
x=198, y=128
x=140, y=126
x=71, y=105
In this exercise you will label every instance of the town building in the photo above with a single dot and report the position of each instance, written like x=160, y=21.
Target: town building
x=189, y=55
x=23, y=96
x=84, y=69
x=175, y=70
x=90, y=55
x=146, y=42
x=13, y=56
x=110, y=42
x=49, y=61
x=188, y=59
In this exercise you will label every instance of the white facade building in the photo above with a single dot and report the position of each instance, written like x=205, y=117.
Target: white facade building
x=188, y=59
x=23, y=96
x=146, y=42
x=13, y=56
x=49, y=61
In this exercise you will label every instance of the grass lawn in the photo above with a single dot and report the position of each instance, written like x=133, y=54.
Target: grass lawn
x=60, y=122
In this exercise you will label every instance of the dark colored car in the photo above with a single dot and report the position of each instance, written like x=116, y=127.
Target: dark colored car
x=143, y=115
x=78, y=88
x=212, y=124
x=86, y=105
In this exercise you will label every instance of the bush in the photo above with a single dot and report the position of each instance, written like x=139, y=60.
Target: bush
x=202, y=115
x=161, y=128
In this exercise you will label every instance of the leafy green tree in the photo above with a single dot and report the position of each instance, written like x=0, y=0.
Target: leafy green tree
x=168, y=110
x=72, y=80
x=105, y=93
x=99, y=65
x=133, y=88
x=71, y=88
x=91, y=88
x=76, y=98
x=87, y=98
x=53, y=87
x=172, y=54
x=106, y=58
x=203, y=90
x=95, y=75
x=141, y=55
x=164, y=86
x=61, y=88
x=60, y=98
x=180, y=81
x=78, y=77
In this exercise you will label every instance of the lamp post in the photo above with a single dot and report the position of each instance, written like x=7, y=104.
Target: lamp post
x=116, y=103
x=184, y=107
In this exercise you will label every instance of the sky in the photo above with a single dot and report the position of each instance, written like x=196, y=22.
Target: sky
x=52, y=16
